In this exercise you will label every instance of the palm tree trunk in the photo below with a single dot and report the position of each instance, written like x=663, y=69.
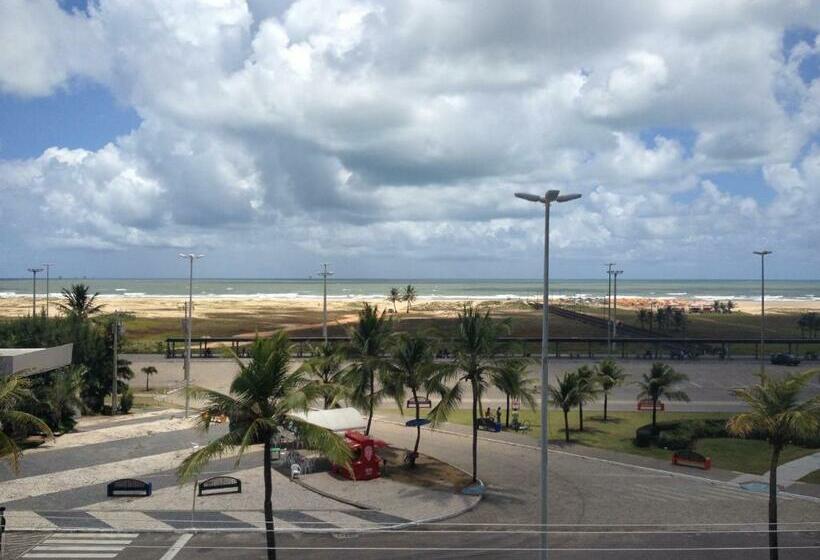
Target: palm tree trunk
x=370, y=412
x=270, y=536
x=146, y=383
x=475, y=433
x=418, y=432
x=654, y=412
x=507, y=420
x=580, y=417
x=773, y=552
x=566, y=426
x=605, y=403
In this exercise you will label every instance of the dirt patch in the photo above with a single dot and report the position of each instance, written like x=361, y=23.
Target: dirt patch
x=429, y=472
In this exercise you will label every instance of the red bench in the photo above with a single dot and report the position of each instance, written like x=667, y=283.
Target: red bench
x=646, y=404
x=689, y=458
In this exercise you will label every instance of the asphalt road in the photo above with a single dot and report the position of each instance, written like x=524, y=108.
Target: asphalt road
x=708, y=387
x=598, y=509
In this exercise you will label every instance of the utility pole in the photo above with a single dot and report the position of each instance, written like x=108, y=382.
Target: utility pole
x=609, y=308
x=116, y=327
x=189, y=314
x=762, y=254
x=48, y=289
x=34, y=272
x=615, y=274
x=324, y=274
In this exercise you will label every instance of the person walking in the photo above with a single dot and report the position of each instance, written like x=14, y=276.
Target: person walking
x=498, y=415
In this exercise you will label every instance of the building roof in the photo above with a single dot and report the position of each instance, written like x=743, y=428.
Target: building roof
x=31, y=361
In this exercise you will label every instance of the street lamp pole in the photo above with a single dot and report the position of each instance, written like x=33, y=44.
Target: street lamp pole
x=114, y=388
x=548, y=198
x=48, y=290
x=324, y=274
x=34, y=272
x=189, y=314
x=762, y=254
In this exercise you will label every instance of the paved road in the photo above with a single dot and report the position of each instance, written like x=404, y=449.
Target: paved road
x=708, y=386
x=594, y=505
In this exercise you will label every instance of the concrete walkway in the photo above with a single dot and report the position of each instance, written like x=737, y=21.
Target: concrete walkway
x=787, y=473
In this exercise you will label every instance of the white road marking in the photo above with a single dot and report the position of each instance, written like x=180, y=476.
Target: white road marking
x=177, y=546
x=82, y=545
x=69, y=555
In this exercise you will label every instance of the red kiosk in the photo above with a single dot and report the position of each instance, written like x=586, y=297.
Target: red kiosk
x=365, y=463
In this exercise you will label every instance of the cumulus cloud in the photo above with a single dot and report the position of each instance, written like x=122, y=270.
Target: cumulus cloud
x=359, y=126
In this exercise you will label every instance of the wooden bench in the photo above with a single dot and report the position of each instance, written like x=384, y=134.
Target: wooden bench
x=129, y=487
x=220, y=485
x=689, y=458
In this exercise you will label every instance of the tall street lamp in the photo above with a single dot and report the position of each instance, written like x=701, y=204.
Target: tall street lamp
x=48, y=290
x=324, y=274
x=189, y=314
x=34, y=272
x=548, y=198
x=762, y=254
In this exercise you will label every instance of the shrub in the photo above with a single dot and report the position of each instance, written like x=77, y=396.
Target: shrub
x=126, y=401
x=644, y=436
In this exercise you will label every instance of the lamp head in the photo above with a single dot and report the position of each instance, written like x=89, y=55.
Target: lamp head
x=529, y=197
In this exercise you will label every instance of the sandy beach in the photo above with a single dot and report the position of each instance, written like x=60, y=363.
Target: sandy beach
x=171, y=306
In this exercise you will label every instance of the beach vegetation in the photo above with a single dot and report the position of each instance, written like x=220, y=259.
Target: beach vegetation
x=409, y=295
x=369, y=339
x=261, y=403
x=78, y=301
x=148, y=371
x=512, y=380
x=610, y=375
x=660, y=384
x=564, y=395
x=778, y=409
x=475, y=347
x=393, y=297
x=412, y=368
x=325, y=373
x=586, y=390
x=15, y=423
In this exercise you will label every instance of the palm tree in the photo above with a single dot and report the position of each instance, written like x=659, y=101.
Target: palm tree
x=610, y=375
x=412, y=367
x=261, y=402
x=586, y=391
x=78, y=303
x=564, y=395
x=64, y=395
x=409, y=295
x=393, y=297
x=148, y=371
x=326, y=374
x=368, y=341
x=14, y=390
x=511, y=379
x=475, y=345
x=776, y=410
x=658, y=384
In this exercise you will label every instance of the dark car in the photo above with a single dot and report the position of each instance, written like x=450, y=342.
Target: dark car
x=785, y=360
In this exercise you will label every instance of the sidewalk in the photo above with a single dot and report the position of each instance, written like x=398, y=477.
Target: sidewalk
x=788, y=473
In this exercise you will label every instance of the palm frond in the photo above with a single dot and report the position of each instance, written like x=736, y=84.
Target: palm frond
x=196, y=461
x=323, y=440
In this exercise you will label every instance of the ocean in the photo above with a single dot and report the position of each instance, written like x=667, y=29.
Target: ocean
x=442, y=289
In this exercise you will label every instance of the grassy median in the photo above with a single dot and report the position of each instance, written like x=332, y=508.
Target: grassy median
x=618, y=432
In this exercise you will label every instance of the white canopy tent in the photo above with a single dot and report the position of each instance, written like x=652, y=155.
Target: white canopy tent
x=334, y=419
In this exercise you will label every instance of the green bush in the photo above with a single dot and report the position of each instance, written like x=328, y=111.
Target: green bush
x=126, y=401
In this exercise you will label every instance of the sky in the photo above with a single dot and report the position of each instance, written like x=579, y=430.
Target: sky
x=388, y=137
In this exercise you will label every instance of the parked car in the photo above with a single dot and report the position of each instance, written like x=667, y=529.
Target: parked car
x=785, y=359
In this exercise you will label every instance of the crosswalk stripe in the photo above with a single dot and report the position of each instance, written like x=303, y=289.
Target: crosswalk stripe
x=95, y=535
x=130, y=519
x=80, y=548
x=69, y=555
x=85, y=541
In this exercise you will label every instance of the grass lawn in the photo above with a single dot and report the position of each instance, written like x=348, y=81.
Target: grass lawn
x=617, y=433
x=813, y=478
